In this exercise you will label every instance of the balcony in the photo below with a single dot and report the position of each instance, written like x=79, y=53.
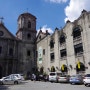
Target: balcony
x=64, y=58
x=79, y=54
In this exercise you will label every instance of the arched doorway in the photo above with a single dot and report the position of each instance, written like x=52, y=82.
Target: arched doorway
x=52, y=69
x=0, y=71
x=80, y=68
x=42, y=70
x=64, y=69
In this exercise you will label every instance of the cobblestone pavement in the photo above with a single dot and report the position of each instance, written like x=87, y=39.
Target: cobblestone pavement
x=38, y=85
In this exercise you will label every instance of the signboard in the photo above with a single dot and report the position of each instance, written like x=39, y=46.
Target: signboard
x=40, y=55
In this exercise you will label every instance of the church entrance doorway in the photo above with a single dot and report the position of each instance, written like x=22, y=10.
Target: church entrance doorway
x=0, y=71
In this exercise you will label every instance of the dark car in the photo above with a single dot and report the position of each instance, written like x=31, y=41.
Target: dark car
x=45, y=78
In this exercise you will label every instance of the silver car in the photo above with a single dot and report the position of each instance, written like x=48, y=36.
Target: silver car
x=53, y=76
x=63, y=78
x=10, y=80
x=19, y=76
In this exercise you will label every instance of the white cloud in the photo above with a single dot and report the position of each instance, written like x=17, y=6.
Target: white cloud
x=44, y=28
x=57, y=1
x=73, y=10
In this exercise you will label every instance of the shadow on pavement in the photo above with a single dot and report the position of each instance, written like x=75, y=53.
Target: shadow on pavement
x=6, y=87
x=24, y=82
x=2, y=87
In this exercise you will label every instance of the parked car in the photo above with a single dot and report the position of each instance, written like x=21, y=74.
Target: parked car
x=33, y=77
x=45, y=78
x=76, y=79
x=19, y=76
x=63, y=78
x=1, y=80
x=53, y=76
x=10, y=80
x=86, y=80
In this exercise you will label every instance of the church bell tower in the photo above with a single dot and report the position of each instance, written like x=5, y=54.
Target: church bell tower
x=27, y=35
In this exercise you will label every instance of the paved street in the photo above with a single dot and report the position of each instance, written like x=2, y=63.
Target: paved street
x=31, y=85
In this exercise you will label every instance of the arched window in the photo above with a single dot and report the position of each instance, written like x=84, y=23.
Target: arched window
x=52, y=69
x=0, y=71
x=51, y=44
x=63, y=53
x=41, y=70
x=29, y=24
x=28, y=36
x=76, y=32
x=64, y=68
x=52, y=57
x=11, y=52
x=78, y=49
x=62, y=39
x=80, y=67
x=0, y=49
x=28, y=52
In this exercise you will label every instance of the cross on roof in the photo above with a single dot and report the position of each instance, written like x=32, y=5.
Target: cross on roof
x=27, y=9
x=1, y=19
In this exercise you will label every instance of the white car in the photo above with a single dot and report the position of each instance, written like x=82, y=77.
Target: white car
x=2, y=78
x=10, y=80
x=86, y=80
x=53, y=76
x=19, y=76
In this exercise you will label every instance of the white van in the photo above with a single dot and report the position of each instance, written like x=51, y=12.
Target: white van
x=53, y=76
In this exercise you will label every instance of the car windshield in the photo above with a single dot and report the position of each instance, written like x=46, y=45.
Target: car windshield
x=63, y=75
x=52, y=74
x=21, y=74
x=7, y=77
x=76, y=76
x=17, y=76
x=59, y=74
x=88, y=75
x=3, y=77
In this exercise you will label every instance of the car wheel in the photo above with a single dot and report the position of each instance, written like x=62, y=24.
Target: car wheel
x=72, y=83
x=86, y=85
x=1, y=83
x=51, y=81
x=56, y=81
x=16, y=82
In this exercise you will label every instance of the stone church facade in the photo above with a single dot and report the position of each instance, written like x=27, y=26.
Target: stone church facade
x=67, y=50
x=17, y=53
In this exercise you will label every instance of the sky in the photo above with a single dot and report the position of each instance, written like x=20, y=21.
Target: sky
x=49, y=13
